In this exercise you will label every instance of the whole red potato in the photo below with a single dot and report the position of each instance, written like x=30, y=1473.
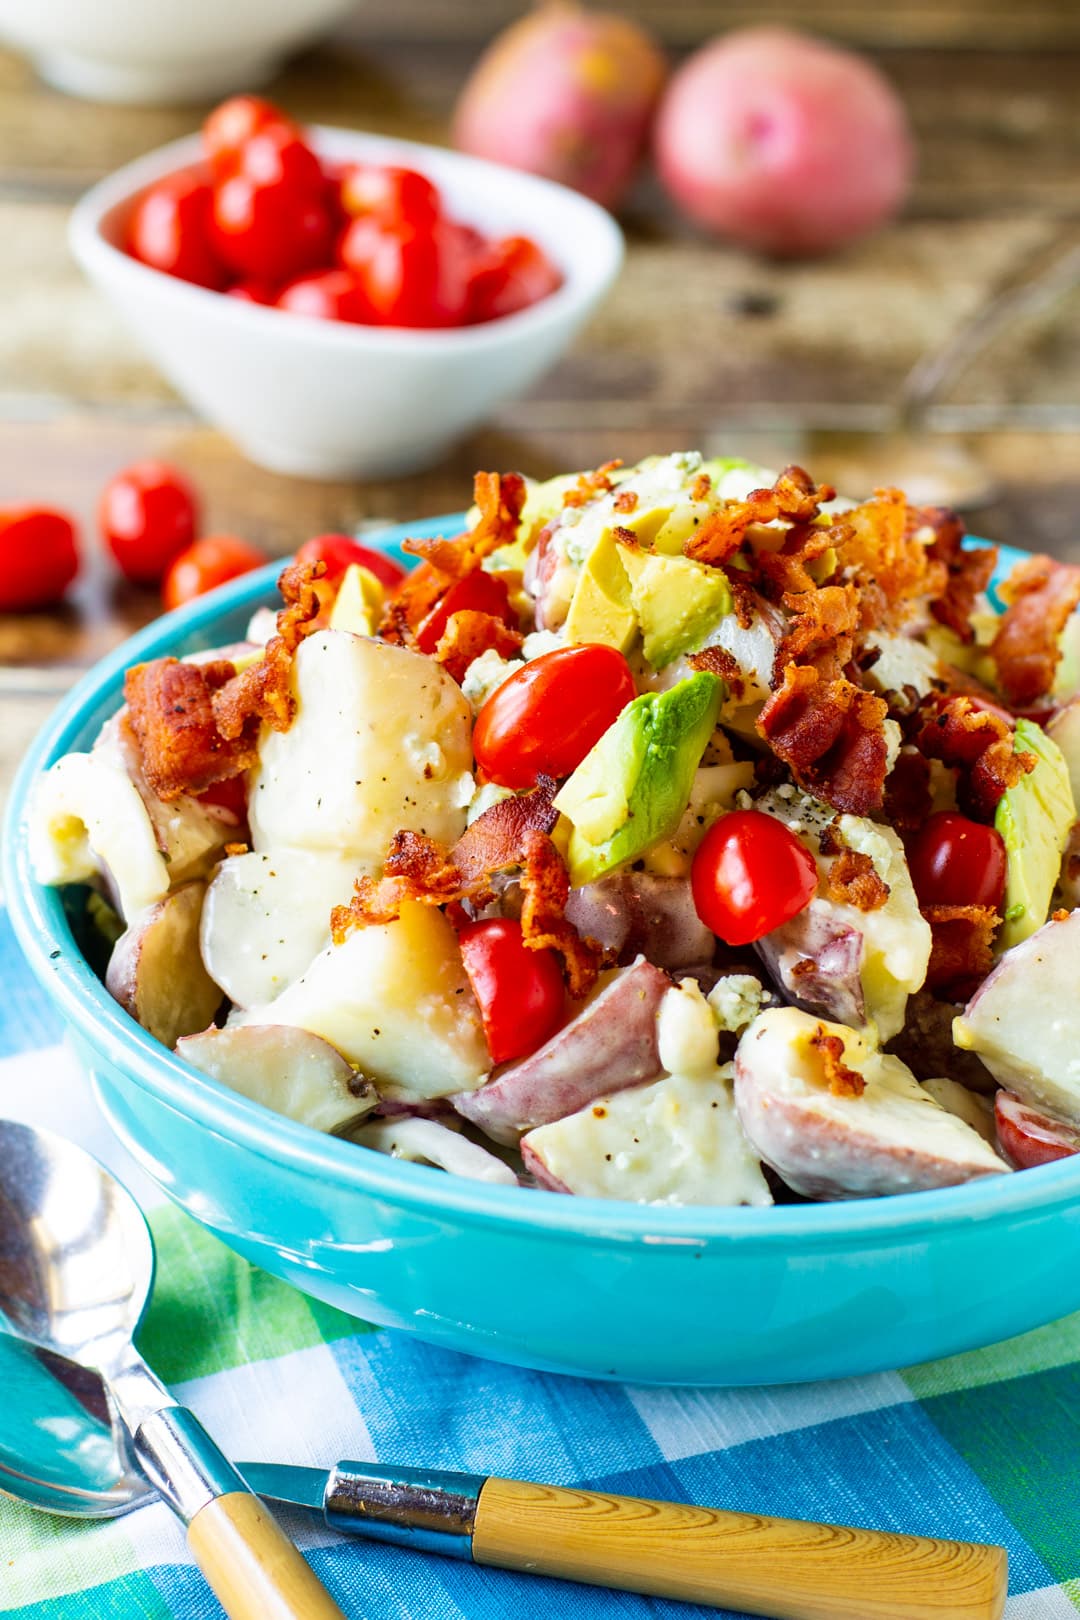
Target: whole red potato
x=568, y=94
x=783, y=143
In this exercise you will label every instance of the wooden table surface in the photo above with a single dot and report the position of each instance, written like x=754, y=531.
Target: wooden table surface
x=698, y=345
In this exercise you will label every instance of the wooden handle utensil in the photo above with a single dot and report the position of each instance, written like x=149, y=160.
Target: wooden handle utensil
x=254, y=1571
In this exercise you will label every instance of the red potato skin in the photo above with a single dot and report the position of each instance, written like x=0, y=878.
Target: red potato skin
x=567, y=94
x=610, y=1045
x=535, y=1167
x=783, y=143
x=632, y=913
x=816, y=961
x=1028, y=1137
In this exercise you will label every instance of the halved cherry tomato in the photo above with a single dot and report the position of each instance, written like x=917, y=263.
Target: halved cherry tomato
x=478, y=592
x=331, y=295
x=510, y=275
x=39, y=557
x=749, y=875
x=399, y=196
x=1029, y=1137
x=269, y=232
x=230, y=126
x=957, y=862
x=147, y=515
x=340, y=551
x=521, y=994
x=414, y=275
x=206, y=565
x=545, y=717
x=171, y=229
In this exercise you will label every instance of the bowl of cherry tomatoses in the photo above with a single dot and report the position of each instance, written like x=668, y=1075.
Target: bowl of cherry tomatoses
x=341, y=304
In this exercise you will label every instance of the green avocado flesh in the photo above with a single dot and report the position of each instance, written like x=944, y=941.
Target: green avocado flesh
x=1034, y=818
x=632, y=788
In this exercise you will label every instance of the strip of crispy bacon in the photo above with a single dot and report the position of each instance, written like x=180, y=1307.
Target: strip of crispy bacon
x=979, y=743
x=416, y=868
x=968, y=570
x=1041, y=594
x=264, y=689
x=545, y=887
x=841, y=1081
x=821, y=630
x=962, y=951
x=908, y=800
x=830, y=733
x=794, y=495
x=496, y=839
x=468, y=634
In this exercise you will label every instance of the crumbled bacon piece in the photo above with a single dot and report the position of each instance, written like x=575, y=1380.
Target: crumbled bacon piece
x=822, y=628
x=701, y=488
x=787, y=570
x=979, y=743
x=854, y=881
x=718, y=661
x=968, y=570
x=591, y=484
x=840, y=1079
x=417, y=868
x=495, y=840
x=908, y=800
x=171, y=714
x=626, y=500
x=1041, y=594
x=831, y=735
x=794, y=495
x=545, y=888
x=962, y=952
x=468, y=634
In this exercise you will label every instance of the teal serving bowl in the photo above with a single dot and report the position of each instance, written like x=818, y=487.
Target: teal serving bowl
x=572, y=1285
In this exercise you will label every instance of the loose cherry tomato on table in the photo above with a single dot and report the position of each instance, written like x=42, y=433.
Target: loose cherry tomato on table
x=210, y=562
x=171, y=230
x=1028, y=1136
x=957, y=862
x=546, y=717
x=147, y=514
x=229, y=128
x=339, y=551
x=39, y=557
x=413, y=275
x=399, y=196
x=750, y=874
x=509, y=275
x=331, y=295
x=269, y=232
x=520, y=992
x=478, y=592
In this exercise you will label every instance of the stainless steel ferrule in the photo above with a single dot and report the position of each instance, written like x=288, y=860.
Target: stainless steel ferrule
x=181, y=1461
x=429, y=1509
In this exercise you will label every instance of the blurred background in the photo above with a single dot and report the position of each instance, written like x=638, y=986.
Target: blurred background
x=940, y=352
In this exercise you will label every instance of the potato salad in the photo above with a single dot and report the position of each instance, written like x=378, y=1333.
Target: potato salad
x=679, y=833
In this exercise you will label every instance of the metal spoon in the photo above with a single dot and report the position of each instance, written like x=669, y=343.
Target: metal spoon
x=76, y=1265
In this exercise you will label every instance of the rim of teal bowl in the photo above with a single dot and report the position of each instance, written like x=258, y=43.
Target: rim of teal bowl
x=42, y=929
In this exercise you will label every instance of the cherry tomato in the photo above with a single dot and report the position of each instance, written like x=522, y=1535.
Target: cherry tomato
x=229, y=128
x=957, y=862
x=331, y=295
x=399, y=196
x=520, y=992
x=510, y=275
x=278, y=155
x=1029, y=1137
x=230, y=795
x=478, y=592
x=38, y=557
x=171, y=230
x=749, y=875
x=340, y=551
x=414, y=276
x=206, y=565
x=147, y=514
x=545, y=717
x=269, y=232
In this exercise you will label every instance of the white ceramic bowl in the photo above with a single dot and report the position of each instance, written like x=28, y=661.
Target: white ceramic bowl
x=321, y=399
x=162, y=50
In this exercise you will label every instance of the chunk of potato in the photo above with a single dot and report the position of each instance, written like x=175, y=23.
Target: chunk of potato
x=156, y=973
x=381, y=740
x=1021, y=1019
x=677, y=1141
x=892, y=1138
x=267, y=916
x=425, y=1141
x=86, y=820
x=289, y=1070
x=396, y=1001
x=190, y=835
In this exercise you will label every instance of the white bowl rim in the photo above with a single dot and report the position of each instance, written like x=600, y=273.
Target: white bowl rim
x=585, y=279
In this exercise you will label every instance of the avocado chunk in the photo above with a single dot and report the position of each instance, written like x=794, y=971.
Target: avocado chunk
x=677, y=601
x=632, y=788
x=359, y=602
x=1034, y=818
x=600, y=609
